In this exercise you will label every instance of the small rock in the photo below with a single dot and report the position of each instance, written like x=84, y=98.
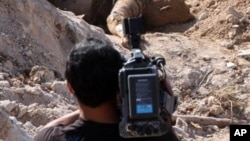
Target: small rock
x=203, y=91
x=231, y=34
x=248, y=11
x=203, y=16
x=220, y=70
x=8, y=105
x=3, y=75
x=4, y=84
x=234, y=12
x=19, y=90
x=219, y=80
x=28, y=125
x=232, y=19
x=51, y=105
x=202, y=107
x=215, y=110
x=32, y=106
x=215, y=128
x=211, y=3
x=33, y=90
x=37, y=111
x=209, y=130
x=8, y=65
x=244, y=53
x=244, y=20
x=235, y=26
x=27, y=53
x=211, y=100
x=206, y=58
x=247, y=112
x=227, y=44
x=231, y=65
x=59, y=87
x=16, y=83
x=22, y=111
x=193, y=77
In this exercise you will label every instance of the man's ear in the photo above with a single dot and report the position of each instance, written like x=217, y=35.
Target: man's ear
x=70, y=89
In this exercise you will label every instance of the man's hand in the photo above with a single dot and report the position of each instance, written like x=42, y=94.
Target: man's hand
x=166, y=84
x=124, y=42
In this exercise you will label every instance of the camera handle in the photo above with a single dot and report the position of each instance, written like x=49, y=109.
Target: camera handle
x=132, y=28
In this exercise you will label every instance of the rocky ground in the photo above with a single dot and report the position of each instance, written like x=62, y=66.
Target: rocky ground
x=207, y=62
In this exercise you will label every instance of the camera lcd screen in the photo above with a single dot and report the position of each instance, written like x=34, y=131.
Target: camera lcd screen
x=142, y=94
x=144, y=103
x=144, y=108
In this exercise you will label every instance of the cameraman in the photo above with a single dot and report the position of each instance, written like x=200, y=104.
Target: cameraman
x=92, y=77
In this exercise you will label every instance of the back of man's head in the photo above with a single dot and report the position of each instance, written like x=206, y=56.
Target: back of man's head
x=92, y=71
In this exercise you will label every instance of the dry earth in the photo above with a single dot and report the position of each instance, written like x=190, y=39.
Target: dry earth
x=207, y=62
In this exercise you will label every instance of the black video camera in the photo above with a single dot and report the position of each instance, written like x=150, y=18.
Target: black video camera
x=144, y=98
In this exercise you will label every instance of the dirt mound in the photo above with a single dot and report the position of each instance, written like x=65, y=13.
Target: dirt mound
x=217, y=20
x=33, y=34
x=207, y=63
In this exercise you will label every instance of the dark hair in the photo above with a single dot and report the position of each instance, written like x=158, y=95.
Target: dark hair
x=92, y=71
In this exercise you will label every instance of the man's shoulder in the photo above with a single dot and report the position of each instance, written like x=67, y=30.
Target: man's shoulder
x=79, y=130
x=48, y=134
x=57, y=132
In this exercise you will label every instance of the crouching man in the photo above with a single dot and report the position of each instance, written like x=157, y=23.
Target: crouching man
x=92, y=77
